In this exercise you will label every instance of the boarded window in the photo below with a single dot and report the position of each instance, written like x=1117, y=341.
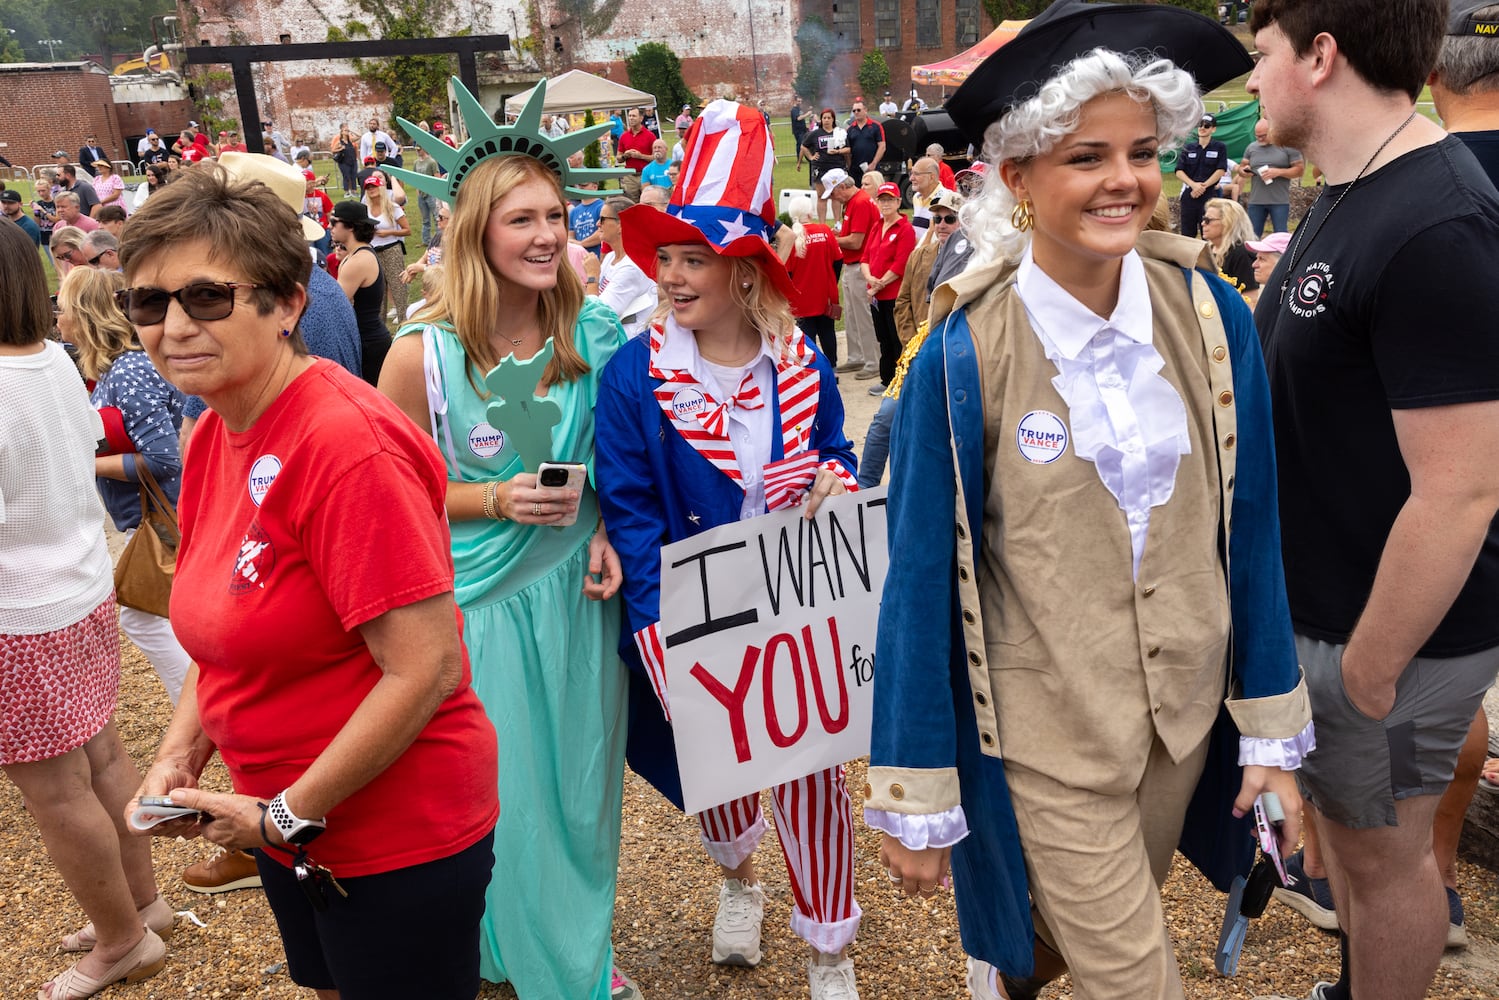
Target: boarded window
x=887, y=24
x=928, y=24
x=846, y=24
x=966, y=19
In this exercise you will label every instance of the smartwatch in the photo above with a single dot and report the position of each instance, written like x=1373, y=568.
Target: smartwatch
x=294, y=829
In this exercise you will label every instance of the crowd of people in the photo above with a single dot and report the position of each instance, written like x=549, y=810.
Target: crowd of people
x=1222, y=509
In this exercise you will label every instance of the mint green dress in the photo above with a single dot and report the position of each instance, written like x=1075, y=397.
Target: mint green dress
x=546, y=666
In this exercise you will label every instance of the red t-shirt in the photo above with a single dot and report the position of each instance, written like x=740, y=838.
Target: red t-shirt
x=946, y=177
x=643, y=142
x=812, y=273
x=324, y=515
x=860, y=215
x=888, y=251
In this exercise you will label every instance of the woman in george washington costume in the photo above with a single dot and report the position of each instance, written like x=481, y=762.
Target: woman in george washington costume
x=505, y=335
x=1091, y=412
x=721, y=411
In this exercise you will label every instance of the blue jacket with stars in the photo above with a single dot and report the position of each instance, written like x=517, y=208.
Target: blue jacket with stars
x=654, y=488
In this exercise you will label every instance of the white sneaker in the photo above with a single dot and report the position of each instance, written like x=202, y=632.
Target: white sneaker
x=981, y=979
x=736, y=928
x=834, y=981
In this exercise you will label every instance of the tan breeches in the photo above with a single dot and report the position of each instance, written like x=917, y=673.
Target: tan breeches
x=1096, y=863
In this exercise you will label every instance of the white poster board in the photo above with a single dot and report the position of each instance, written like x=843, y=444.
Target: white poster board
x=769, y=628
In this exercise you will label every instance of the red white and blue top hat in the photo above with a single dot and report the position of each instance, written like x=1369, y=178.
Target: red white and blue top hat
x=724, y=197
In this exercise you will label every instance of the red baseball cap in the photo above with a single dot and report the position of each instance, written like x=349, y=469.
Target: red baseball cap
x=888, y=190
x=438, y=126
x=309, y=175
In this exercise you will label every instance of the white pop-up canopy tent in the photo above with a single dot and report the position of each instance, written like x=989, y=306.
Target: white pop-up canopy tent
x=576, y=90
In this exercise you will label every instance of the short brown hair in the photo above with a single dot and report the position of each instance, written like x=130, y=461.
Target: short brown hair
x=245, y=221
x=25, y=310
x=110, y=213
x=1392, y=44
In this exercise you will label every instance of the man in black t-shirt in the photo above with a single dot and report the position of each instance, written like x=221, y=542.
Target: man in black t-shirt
x=866, y=143
x=1384, y=376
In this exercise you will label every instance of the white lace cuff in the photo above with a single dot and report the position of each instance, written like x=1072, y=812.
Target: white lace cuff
x=918, y=833
x=1285, y=754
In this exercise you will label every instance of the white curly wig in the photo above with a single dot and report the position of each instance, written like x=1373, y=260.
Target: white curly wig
x=1038, y=124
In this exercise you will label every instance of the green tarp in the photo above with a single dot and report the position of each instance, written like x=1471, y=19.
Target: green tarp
x=1235, y=130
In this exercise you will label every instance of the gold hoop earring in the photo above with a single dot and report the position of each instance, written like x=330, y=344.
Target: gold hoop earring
x=1021, y=218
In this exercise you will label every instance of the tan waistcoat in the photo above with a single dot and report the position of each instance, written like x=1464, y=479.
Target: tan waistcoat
x=1088, y=665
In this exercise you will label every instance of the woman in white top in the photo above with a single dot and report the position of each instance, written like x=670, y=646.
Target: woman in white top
x=389, y=242
x=60, y=644
x=623, y=286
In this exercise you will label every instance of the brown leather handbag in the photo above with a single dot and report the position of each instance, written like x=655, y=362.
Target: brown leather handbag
x=143, y=576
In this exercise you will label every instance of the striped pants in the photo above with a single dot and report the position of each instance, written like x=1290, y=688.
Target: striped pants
x=816, y=825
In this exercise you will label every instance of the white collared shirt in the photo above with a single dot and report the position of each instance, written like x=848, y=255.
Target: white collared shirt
x=750, y=431
x=1126, y=418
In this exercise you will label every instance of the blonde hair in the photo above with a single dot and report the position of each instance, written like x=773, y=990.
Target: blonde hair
x=468, y=297
x=101, y=331
x=1236, y=227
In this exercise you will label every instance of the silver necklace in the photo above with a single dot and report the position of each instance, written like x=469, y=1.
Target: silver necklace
x=1296, y=247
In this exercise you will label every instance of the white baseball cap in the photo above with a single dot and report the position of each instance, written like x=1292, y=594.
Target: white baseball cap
x=831, y=180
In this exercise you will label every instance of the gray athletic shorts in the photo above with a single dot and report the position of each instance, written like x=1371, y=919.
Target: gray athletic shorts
x=1362, y=766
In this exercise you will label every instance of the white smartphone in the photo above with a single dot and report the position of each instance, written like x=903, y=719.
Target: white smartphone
x=565, y=476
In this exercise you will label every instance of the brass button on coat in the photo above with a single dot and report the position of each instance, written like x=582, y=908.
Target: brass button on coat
x=1230, y=441
x=1225, y=398
x=897, y=792
x=1153, y=652
x=1220, y=353
x=1148, y=591
x=1206, y=309
x=868, y=792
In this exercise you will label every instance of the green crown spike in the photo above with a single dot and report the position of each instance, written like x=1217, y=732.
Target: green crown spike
x=486, y=139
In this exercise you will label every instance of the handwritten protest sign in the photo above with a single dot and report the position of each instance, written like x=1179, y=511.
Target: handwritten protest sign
x=769, y=628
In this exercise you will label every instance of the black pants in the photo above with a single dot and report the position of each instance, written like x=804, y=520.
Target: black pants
x=887, y=336
x=1192, y=210
x=348, y=173
x=820, y=329
x=412, y=932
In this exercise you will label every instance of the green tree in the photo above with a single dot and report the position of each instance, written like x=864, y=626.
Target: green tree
x=10, y=49
x=590, y=151
x=655, y=69
x=814, y=43
x=417, y=84
x=874, y=73
x=104, y=29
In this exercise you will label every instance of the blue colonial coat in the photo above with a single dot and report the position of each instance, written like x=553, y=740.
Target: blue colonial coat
x=925, y=720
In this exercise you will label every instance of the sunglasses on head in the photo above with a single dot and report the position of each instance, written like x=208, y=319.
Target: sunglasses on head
x=201, y=300
x=949, y=219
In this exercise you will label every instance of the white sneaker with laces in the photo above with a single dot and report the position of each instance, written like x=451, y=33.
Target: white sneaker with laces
x=832, y=978
x=736, y=928
x=981, y=981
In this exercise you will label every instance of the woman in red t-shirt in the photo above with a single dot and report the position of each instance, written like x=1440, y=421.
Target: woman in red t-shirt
x=884, y=263
x=314, y=592
x=810, y=252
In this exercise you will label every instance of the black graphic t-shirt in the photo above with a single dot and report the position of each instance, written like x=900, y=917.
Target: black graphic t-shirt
x=1392, y=304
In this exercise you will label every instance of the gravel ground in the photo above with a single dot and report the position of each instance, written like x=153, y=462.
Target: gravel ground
x=664, y=915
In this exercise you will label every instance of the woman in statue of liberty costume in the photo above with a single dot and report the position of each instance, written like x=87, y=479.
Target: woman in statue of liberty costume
x=501, y=366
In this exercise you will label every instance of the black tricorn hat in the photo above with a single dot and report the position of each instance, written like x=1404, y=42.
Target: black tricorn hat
x=1070, y=28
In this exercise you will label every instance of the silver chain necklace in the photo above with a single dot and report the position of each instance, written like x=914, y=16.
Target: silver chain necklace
x=1296, y=247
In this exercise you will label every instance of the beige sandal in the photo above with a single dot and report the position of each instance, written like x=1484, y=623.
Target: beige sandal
x=143, y=961
x=157, y=915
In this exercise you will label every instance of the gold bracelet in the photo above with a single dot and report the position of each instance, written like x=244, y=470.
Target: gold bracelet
x=490, y=510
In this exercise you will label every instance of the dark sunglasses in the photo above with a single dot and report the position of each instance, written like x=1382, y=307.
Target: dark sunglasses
x=202, y=300
x=949, y=219
x=97, y=257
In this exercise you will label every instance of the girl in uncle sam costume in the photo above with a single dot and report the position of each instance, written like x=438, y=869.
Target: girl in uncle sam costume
x=1097, y=635
x=501, y=367
x=722, y=411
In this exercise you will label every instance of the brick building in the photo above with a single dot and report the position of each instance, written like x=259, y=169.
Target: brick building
x=746, y=48
x=52, y=106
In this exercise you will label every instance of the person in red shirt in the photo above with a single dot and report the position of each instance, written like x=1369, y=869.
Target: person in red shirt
x=812, y=258
x=634, y=146
x=318, y=204
x=314, y=592
x=861, y=219
x=884, y=263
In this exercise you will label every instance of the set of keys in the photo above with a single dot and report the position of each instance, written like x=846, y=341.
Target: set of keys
x=314, y=879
